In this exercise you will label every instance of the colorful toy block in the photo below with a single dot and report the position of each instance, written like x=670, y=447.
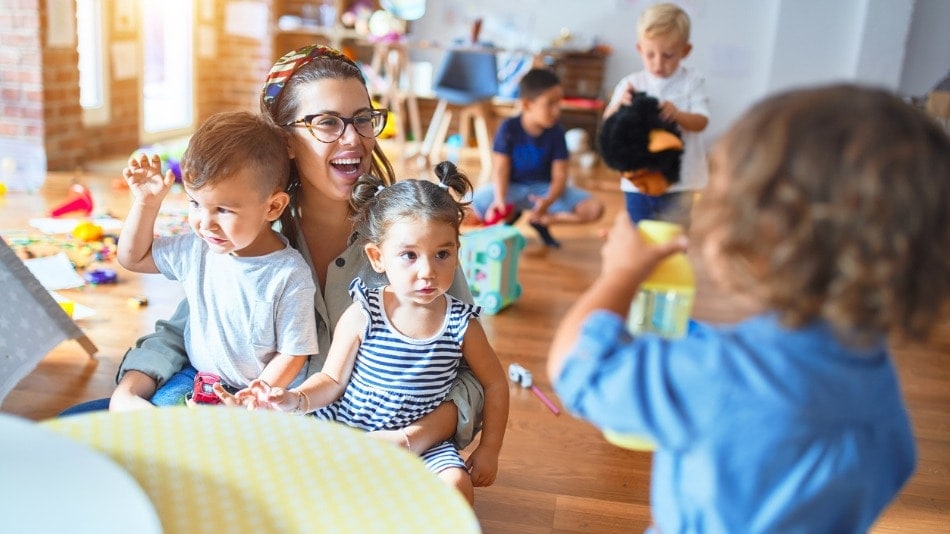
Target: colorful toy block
x=489, y=258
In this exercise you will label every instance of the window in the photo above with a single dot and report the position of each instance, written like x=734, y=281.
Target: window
x=168, y=74
x=93, y=89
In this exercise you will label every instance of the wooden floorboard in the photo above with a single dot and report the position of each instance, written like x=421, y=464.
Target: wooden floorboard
x=557, y=474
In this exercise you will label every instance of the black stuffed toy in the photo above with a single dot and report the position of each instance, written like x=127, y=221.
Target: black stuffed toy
x=645, y=149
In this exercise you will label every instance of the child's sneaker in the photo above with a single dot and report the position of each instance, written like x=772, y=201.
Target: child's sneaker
x=545, y=234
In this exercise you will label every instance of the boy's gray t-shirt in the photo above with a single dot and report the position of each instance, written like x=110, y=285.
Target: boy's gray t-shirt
x=242, y=310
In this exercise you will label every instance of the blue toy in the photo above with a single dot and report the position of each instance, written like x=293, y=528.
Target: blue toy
x=489, y=258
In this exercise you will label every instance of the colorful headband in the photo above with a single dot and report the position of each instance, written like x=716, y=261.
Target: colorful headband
x=286, y=66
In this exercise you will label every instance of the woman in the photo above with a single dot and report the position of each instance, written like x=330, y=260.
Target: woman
x=320, y=97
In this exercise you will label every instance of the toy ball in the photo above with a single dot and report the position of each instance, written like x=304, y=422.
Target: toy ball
x=3, y=189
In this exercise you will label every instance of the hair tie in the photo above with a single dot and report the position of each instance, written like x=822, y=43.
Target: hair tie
x=443, y=185
x=290, y=63
x=378, y=189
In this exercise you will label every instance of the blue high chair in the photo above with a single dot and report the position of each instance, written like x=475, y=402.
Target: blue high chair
x=466, y=81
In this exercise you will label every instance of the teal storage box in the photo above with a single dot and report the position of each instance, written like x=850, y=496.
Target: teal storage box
x=489, y=258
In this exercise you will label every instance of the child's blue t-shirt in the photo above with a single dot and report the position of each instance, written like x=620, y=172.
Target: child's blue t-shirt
x=758, y=428
x=531, y=157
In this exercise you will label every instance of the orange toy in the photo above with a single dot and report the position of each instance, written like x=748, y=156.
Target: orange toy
x=79, y=199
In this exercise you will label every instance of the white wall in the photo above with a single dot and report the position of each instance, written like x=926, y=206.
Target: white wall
x=745, y=48
x=928, y=47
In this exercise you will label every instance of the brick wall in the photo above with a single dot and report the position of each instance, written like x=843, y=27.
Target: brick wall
x=39, y=85
x=21, y=84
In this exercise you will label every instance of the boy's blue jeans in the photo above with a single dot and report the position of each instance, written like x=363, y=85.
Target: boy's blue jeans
x=672, y=207
x=172, y=393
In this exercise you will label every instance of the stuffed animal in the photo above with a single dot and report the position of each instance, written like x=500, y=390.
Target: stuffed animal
x=645, y=149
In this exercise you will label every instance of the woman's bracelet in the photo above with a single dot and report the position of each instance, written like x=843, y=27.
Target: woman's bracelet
x=301, y=397
x=406, y=435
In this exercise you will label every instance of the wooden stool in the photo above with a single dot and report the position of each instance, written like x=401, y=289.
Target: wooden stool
x=466, y=81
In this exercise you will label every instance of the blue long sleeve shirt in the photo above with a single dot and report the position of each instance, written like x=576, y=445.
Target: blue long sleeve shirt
x=758, y=428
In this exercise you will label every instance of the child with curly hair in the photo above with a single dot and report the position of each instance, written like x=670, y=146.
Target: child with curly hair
x=828, y=209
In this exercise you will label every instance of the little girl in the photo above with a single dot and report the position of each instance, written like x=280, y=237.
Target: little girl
x=828, y=209
x=397, y=348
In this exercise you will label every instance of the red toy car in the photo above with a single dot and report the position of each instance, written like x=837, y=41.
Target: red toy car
x=204, y=388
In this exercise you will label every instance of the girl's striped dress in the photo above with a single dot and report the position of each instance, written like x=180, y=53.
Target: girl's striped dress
x=397, y=379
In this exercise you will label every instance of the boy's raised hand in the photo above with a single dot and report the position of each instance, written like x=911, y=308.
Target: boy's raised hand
x=144, y=176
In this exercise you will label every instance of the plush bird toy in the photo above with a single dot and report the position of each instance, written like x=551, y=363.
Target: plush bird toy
x=645, y=149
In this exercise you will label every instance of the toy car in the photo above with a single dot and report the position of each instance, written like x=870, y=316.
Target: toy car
x=204, y=388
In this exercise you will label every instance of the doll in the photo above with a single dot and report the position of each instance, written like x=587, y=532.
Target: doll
x=645, y=149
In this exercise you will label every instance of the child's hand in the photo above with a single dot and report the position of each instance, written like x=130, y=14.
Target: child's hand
x=482, y=465
x=627, y=253
x=627, y=98
x=144, y=176
x=124, y=401
x=496, y=209
x=255, y=396
x=540, y=211
x=668, y=111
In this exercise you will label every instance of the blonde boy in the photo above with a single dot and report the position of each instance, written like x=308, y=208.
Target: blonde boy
x=663, y=42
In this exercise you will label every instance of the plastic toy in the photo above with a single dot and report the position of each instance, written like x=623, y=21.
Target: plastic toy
x=489, y=258
x=665, y=300
x=204, y=388
x=521, y=376
x=495, y=216
x=87, y=231
x=79, y=199
x=100, y=276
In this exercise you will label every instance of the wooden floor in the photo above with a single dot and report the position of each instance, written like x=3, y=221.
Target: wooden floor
x=556, y=473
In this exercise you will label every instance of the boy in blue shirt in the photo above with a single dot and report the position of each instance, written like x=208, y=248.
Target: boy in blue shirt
x=529, y=166
x=792, y=419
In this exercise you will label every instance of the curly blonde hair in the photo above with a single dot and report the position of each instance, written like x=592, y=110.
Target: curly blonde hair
x=834, y=203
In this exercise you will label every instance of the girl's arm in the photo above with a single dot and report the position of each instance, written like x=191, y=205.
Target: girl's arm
x=282, y=369
x=481, y=357
x=322, y=388
x=148, y=187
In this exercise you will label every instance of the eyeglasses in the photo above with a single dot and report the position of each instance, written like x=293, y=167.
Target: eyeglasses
x=328, y=127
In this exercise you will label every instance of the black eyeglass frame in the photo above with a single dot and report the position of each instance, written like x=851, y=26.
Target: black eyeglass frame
x=381, y=115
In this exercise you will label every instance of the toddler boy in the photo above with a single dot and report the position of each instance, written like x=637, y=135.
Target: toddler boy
x=529, y=166
x=663, y=42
